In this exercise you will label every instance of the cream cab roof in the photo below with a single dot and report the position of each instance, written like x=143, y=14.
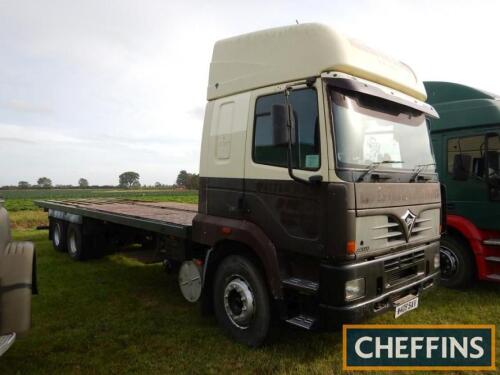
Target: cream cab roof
x=291, y=53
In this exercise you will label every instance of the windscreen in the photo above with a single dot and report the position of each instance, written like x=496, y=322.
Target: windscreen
x=371, y=130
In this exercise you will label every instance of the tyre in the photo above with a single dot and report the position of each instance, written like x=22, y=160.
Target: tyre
x=457, y=263
x=74, y=242
x=241, y=301
x=59, y=236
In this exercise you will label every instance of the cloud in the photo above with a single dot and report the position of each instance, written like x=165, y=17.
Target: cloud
x=95, y=88
x=33, y=135
x=24, y=107
x=15, y=140
x=65, y=157
x=197, y=112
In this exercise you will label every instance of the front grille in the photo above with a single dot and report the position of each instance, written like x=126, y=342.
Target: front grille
x=421, y=225
x=394, y=277
x=394, y=233
x=400, y=268
x=404, y=261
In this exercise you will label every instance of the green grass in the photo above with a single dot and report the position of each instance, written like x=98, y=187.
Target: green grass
x=22, y=200
x=28, y=219
x=117, y=316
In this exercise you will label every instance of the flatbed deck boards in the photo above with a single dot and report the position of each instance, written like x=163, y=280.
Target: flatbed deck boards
x=162, y=217
x=175, y=213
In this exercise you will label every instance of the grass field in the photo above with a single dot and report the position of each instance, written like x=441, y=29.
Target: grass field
x=22, y=200
x=24, y=214
x=118, y=316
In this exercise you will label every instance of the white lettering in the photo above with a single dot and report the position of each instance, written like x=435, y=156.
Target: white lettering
x=410, y=347
x=415, y=346
x=357, y=347
x=444, y=347
x=400, y=347
x=379, y=347
x=455, y=345
x=430, y=345
x=479, y=349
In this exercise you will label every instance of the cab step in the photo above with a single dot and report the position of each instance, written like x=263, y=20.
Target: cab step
x=493, y=259
x=303, y=321
x=493, y=276
x=6, y=342
x=301, y=285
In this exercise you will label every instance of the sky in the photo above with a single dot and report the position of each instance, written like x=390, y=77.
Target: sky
x=94, y=88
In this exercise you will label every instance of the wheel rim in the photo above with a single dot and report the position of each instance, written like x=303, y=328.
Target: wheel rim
x=73, y=248
x=239, y=302
x=57, y=235
x=449, y=263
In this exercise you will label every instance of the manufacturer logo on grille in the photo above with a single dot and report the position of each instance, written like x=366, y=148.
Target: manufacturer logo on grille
x=409, y=220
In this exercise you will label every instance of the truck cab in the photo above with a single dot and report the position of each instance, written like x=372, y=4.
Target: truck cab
x=316, y=164
x=467, y=150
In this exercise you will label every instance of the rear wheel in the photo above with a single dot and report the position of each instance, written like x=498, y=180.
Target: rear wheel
x=457, y=263
x=59, y=236
x=241, y=301
x=75, y=243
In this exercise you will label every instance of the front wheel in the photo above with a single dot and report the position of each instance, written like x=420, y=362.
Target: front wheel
x=241, y=301
x=457, y=263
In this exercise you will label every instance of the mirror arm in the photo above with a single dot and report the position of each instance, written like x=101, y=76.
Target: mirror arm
x=289, y=154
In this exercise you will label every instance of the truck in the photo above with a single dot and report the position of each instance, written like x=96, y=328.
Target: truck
x=467, y=150
x=315, y=202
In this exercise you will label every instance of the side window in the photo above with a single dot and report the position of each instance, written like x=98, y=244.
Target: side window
x=467, y=153
x=224, y=131
x=306, y=148
x=494, y=156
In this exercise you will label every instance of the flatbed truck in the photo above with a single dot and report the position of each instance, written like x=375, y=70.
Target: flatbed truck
x=314, y=202
x=467, y=151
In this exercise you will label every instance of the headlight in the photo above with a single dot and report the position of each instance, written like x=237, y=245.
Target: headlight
x=437, y=259
x=354, y=289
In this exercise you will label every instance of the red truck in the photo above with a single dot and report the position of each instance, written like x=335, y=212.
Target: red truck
x=467, y=151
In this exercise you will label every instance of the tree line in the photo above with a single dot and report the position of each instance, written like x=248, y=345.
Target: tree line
x=126, y=180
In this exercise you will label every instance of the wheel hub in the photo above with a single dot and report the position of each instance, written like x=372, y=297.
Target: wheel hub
x=239, y=302
x=449, y=263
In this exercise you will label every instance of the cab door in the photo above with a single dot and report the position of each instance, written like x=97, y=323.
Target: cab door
x=465, y=177
x=293, y=214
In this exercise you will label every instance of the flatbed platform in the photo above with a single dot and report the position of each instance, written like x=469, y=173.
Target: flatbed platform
x=171, y=218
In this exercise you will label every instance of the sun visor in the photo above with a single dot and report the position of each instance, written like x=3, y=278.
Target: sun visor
x=392, y=95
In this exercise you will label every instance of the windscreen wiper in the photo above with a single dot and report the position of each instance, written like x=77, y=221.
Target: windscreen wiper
x=374, y=166
x=419, y=169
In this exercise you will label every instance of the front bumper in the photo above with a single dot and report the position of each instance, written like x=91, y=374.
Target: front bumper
x=388, y=278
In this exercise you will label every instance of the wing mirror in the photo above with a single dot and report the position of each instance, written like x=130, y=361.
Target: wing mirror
x=283, y=120
x=281, y=133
